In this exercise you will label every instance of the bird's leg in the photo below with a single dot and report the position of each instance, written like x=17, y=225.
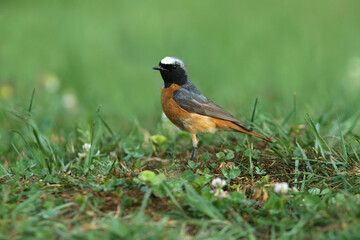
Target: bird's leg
x=195, y=142
x=193, y=154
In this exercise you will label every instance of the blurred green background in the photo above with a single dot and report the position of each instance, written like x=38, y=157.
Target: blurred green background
x=82, y=54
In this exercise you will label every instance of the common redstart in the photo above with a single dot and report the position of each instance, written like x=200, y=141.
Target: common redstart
x=189, y=109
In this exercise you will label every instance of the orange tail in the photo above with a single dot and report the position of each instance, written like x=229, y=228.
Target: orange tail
x=244, y=130
x=227, y=125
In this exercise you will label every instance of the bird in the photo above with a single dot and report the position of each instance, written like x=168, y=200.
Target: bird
x=187, y=108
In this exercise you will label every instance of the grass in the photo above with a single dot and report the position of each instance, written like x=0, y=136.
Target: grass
x=134, y=185
x=87, y=155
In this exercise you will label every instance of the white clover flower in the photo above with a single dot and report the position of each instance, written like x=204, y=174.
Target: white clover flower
x=219, y=193
x=281, y=188
x=85, y=151
x=86, y=147
x=218, y=183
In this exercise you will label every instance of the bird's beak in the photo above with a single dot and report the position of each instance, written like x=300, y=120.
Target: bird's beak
x=160, y=68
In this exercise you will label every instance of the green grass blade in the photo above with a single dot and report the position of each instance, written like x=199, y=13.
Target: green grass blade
x=29, y=148
x=253, y=113
x=343, y=146
x=305, y=157
x=144, y=202
x=31, y=100
x=201, y=204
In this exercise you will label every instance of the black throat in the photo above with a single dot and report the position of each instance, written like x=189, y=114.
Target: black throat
x=174, y=78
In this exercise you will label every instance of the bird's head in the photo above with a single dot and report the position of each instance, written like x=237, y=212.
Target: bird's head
x=172, y=70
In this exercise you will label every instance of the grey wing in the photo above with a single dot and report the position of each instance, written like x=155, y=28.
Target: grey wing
x=195, y=102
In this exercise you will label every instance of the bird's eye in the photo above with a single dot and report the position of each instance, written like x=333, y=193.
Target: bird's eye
x=174, y=67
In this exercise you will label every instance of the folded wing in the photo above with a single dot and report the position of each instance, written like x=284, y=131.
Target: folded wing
x=190, y=99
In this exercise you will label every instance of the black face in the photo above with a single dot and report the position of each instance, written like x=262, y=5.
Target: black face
x=172, y=73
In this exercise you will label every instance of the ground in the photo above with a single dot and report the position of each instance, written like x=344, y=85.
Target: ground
x=93, y=182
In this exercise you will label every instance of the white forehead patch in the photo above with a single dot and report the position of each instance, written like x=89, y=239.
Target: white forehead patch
x=168, y=60
x=173, y=60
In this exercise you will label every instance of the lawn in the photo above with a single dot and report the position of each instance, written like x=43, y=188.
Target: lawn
x=86, y=153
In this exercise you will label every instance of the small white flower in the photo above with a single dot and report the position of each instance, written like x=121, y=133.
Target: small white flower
x=219, y=193
x=218, y=183
x=85, y=151
x=281, y=188
x=86, y=147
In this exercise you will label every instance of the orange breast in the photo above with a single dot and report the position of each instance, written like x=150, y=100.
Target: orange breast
x=191, y=122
